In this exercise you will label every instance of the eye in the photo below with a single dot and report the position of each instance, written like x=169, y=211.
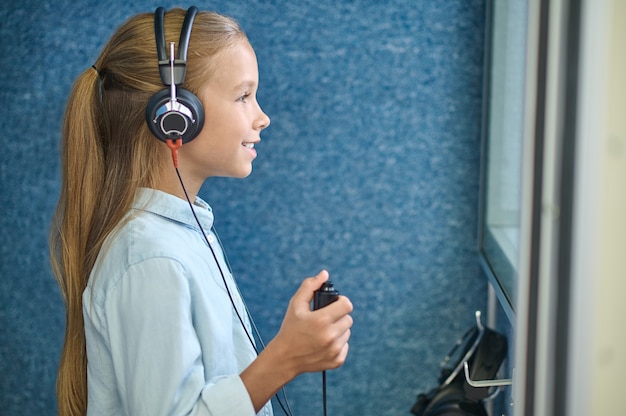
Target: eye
x=244, y=97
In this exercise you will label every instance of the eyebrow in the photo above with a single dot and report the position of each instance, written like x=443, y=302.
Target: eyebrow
x=245, y=85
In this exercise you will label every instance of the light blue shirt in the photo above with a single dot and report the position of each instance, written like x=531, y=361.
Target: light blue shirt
x=162, y=335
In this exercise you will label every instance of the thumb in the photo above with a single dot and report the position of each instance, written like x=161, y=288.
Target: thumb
x=304, y=294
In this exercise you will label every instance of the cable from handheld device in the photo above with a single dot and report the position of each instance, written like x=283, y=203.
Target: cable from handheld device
x=325, y=295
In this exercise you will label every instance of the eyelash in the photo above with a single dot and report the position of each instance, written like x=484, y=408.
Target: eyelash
x=244, y=97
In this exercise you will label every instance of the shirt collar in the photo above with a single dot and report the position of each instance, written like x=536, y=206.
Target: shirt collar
x=174, y=208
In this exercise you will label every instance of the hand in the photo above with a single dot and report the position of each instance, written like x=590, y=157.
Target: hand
x=307, y=341
x=314, y=340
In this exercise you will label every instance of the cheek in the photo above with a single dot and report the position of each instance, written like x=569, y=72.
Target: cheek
x=217, y=141
x=225, y=122
x=217, y=123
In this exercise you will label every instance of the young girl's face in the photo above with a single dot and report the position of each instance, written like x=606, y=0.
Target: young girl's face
x=233, y=117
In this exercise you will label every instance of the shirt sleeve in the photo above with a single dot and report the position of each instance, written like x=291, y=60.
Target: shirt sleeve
x=156, y=355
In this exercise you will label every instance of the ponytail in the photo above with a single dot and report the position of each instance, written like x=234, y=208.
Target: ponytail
x=82, y=176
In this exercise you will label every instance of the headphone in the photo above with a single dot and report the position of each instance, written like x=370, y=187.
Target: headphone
x=174, y=114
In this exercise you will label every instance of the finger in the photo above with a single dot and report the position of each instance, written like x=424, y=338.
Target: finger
x=345, y=323
x=340, y=330
x=343, y=337
x=304, y=294
x=344, y=353
x=337, y=310
x=341, y=357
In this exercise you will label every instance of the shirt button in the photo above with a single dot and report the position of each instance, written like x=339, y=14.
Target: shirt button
x=211, y=238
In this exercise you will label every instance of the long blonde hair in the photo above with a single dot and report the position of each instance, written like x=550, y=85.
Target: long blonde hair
x=107, y=153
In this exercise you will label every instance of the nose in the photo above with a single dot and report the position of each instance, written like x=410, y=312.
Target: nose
x=263, y=121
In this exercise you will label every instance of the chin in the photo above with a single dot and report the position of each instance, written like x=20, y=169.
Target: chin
x=243, y=174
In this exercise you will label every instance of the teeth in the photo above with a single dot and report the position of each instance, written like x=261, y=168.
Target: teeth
x=249, y=145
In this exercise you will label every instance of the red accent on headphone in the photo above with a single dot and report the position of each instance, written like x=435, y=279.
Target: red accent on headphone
x=174, y=145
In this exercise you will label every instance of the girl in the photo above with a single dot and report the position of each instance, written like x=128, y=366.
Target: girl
x=154, y=324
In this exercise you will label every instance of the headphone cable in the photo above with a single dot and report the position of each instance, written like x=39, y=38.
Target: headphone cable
x=287, y=410
x=257, y=333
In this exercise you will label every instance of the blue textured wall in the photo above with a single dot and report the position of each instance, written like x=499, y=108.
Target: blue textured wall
x=370, y=169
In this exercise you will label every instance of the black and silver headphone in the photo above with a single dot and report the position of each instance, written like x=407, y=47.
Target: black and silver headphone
x=174, y=113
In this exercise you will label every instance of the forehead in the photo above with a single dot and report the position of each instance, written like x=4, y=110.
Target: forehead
x=235, y=66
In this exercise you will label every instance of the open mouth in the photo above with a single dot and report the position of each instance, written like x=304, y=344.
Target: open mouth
x=248, y=145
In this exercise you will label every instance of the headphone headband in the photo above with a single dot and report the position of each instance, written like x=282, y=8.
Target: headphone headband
x=180, y=63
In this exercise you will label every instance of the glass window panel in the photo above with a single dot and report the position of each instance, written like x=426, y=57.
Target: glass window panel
x=501, y=221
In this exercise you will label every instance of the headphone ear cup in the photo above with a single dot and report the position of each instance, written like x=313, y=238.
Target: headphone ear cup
x=193, y=103
x=185, y=118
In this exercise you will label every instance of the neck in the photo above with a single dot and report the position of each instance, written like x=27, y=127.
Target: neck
x=169, y=182
x=167, y=178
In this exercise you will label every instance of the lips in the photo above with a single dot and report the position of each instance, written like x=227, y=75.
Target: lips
x=248, y=145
